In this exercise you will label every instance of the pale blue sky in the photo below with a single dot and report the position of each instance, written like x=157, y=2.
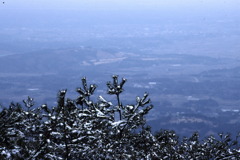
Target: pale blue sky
x=121, y=4
x=19, y=11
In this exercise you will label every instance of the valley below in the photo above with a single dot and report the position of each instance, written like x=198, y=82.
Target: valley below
x=190, y=69
x=189, y=93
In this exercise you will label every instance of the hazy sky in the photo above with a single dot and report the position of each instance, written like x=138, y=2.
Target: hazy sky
x=18, y=11
x=119, y=4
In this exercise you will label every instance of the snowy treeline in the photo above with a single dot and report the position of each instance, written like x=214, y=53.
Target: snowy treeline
x=84, y=129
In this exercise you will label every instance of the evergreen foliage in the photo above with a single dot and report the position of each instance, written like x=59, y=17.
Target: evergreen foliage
x=84, y=129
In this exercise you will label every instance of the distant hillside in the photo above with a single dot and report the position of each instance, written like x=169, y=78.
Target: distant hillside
x=184, y=88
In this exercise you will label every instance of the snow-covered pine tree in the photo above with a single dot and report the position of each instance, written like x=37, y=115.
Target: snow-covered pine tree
x=21, y=128
x=86, y=129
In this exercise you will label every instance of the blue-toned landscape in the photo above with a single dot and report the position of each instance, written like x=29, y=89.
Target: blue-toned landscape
x=187, y=58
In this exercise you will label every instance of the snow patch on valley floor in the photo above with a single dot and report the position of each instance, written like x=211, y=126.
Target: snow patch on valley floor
x=33, y=89
x=110, y=60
